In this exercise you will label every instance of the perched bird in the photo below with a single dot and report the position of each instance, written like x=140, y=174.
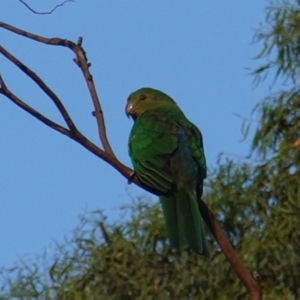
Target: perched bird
x=167, y=154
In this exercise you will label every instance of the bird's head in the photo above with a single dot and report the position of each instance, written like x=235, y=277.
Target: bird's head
x=147, y=99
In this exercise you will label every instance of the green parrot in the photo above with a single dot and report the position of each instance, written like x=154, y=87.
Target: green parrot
x=167, y=154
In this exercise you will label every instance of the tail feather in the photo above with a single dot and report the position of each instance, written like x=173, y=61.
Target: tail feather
x=184, y=223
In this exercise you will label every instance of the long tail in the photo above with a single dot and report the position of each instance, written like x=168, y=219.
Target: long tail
x=184, y=223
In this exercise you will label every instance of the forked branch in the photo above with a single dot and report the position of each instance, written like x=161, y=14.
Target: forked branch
x=253, y=286
x=82, y=61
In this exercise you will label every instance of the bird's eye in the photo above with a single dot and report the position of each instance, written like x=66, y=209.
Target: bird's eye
x=143, y=97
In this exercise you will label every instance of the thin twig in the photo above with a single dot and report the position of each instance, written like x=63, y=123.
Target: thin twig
x=48, y=12
x=104, y=232
x=35, y=37
x=84, y=65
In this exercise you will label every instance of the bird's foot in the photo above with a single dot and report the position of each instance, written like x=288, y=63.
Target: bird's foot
x=131, y=176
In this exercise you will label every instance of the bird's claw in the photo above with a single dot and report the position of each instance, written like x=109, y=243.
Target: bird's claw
x=131, y=176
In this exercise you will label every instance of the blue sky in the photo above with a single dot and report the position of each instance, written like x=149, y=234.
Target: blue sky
x=198, y=52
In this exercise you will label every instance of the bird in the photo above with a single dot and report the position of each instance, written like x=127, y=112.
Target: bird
x=167, y=154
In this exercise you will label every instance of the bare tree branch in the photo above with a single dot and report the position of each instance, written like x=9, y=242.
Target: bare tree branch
x=48, y=12
x=82, y=61
x=252, y=284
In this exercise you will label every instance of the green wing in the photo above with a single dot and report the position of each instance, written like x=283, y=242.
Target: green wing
x=196, y=145
x=152, y=140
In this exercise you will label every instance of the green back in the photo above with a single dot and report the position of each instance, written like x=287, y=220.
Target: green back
x=154, y=139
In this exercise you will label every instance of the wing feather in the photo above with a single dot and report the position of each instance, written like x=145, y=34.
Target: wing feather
x=152, y=141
